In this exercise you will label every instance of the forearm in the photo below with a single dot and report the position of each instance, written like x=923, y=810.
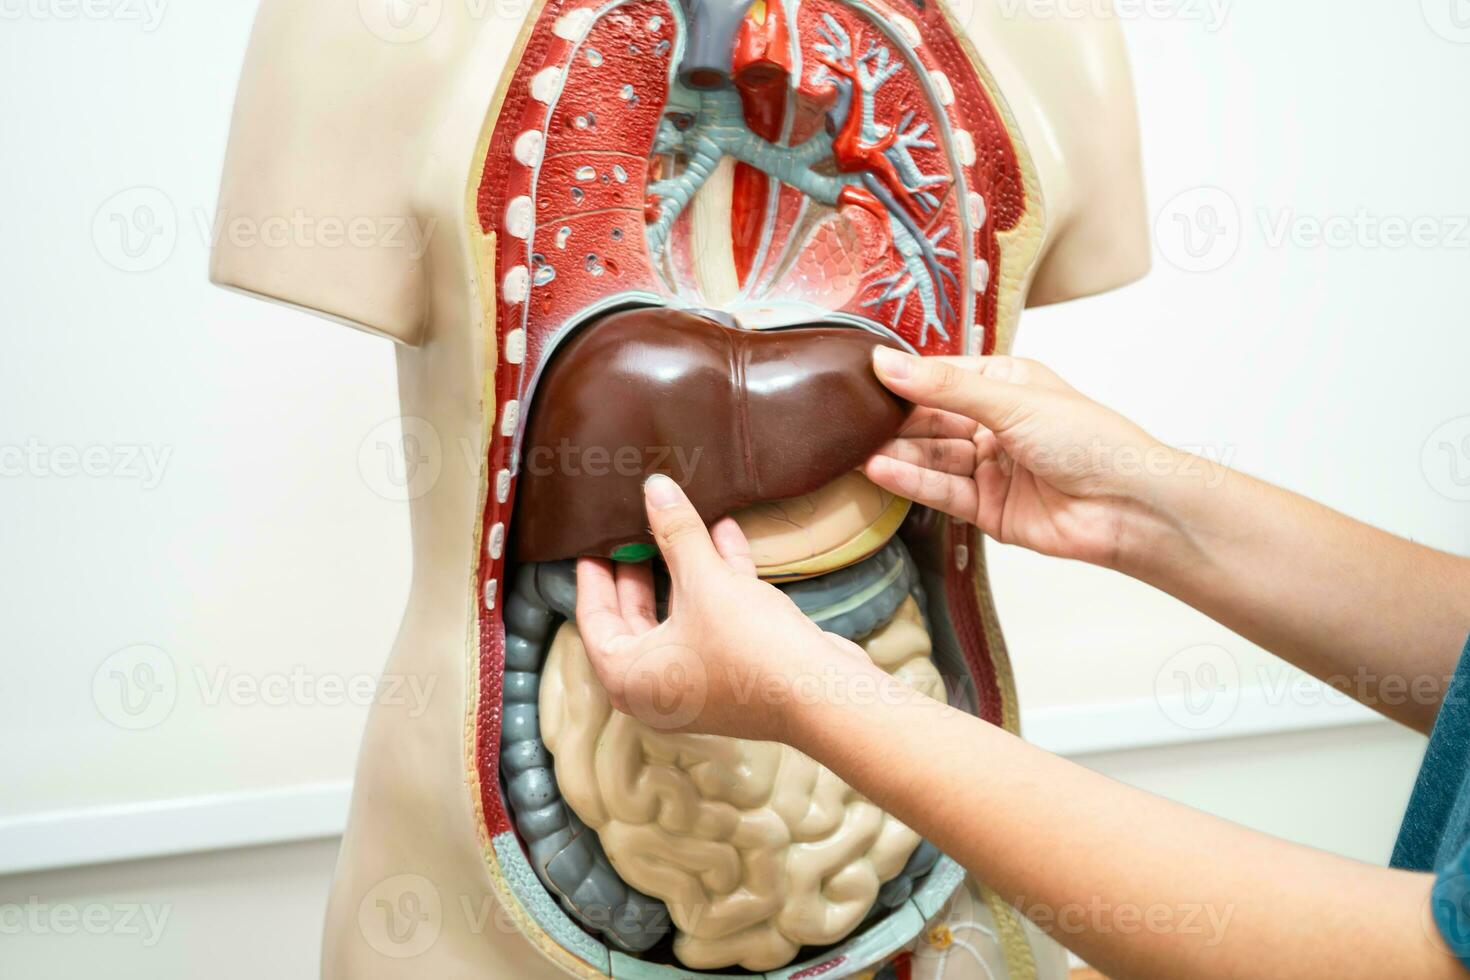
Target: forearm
x=1379, y=617
x=1136, y=885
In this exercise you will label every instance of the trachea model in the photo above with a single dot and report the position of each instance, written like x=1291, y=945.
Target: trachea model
x=684, y=227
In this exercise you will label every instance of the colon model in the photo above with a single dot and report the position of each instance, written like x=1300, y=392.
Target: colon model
x=828, y=161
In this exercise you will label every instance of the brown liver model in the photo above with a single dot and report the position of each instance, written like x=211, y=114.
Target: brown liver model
x=736, y=417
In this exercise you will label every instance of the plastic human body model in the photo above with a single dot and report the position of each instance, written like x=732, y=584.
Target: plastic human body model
x=665, y=236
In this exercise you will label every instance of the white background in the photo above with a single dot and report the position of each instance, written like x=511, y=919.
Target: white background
x=264, y=546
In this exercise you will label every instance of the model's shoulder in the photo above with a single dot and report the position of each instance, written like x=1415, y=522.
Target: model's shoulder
x=336, y=118
x=1064, y=72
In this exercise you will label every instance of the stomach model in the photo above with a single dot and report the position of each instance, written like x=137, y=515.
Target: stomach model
x=690, y=203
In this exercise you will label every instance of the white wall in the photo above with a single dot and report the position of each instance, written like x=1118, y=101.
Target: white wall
x=232, y=915
x=233, y=532
x=1326, y=369
x=264, y=545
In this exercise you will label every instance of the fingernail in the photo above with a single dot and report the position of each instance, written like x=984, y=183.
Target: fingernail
x=662, y=492
x=894, y=363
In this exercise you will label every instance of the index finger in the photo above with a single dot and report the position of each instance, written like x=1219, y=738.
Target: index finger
x=678, y=529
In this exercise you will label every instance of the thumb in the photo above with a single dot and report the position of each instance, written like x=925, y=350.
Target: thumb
x=940, y=383
x=677, y=527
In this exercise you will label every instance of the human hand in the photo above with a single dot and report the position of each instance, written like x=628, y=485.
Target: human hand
x=733, y=651
x=1008, y=446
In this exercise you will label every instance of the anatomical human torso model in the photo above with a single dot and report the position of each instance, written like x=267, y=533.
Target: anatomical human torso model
x=665, y=237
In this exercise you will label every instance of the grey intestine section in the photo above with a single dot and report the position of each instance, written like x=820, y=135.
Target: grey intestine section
x=567, y=856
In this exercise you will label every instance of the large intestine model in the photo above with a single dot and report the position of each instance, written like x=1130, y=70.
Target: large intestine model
x=660, y=173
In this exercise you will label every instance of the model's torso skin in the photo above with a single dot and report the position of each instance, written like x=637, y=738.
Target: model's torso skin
x=334, y=121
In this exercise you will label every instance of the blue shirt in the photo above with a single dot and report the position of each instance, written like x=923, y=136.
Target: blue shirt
x=1435, y=836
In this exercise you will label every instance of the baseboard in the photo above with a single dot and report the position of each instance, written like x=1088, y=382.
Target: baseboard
x=1147, y=723
x=161, y=828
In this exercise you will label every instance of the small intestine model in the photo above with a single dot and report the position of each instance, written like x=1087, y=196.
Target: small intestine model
x=698, y=217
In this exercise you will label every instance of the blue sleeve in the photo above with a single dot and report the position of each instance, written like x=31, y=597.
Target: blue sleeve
x=1437, y=823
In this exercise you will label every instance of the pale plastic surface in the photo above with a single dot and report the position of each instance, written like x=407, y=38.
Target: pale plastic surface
x=965, y=944
x=334, y=120
x=756, y=849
